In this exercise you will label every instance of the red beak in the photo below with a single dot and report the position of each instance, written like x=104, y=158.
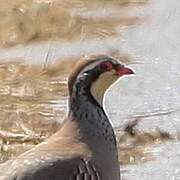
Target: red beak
x=122, y=70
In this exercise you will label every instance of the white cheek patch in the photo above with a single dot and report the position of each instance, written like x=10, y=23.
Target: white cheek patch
x=104, y=81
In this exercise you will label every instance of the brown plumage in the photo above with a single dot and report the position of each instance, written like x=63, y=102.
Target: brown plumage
x=85, y=147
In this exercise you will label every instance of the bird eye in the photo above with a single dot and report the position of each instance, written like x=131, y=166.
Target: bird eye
x=106, y=66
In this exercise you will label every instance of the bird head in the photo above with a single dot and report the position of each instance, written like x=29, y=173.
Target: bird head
x=95, y=74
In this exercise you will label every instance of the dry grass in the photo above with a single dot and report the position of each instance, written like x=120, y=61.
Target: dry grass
x=33, y=103
x=24, y=21
x=137, y=147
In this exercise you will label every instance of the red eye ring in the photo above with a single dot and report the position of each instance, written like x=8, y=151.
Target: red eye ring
x=106, y=66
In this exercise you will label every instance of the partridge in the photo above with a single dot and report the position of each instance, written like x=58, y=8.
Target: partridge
x=85, y=146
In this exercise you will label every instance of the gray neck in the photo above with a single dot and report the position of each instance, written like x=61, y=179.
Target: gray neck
x=91, y=117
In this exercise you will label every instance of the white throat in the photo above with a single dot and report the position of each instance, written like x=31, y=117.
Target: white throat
x=100, y=86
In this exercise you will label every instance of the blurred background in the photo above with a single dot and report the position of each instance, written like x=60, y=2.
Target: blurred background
x=41, y=40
